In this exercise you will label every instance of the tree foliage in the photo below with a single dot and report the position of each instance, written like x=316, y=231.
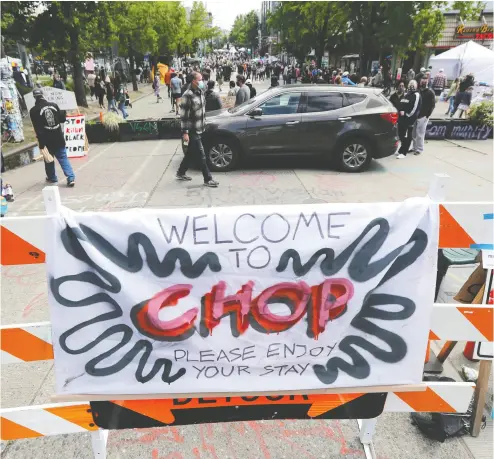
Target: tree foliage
x=370, y=26
x=308, y=25
x=245, y=29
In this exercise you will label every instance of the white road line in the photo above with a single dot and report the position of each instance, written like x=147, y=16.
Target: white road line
x=38, y=197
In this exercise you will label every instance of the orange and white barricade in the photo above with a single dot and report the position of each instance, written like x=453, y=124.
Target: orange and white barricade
x=24, y=241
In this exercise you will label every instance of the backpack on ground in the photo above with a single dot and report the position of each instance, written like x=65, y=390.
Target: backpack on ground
x=440, y=426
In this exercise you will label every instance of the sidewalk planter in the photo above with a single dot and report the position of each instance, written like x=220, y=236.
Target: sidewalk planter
x=169, y=128
x=139, y=130
x=97, y=133
x=465, y=130
x=439, y=129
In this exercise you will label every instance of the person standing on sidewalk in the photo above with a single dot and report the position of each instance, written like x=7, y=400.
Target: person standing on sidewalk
x=48, y=121
x=110, y=95
x=168, y=77
x=192, y=115
x=451, y=95
x=121, y=100
x=91, y=79
x=176, y=88
x=156, y=87
x=409, y=110
x=427, y=106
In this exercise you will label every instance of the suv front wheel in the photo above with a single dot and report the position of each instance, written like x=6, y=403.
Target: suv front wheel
x=223, y=154
x=354, y=155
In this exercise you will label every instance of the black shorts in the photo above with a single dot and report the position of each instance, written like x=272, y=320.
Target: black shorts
x=176, y=96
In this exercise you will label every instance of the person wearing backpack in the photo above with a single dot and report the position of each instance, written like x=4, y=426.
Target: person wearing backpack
x=110, y=95
x=121, y=100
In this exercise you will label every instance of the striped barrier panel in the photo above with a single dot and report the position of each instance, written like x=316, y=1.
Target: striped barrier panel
x=462, y=225
x=32, y=342
x=23, y=241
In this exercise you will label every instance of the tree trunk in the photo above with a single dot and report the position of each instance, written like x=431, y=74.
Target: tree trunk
x=74, y=57
x=132, y=69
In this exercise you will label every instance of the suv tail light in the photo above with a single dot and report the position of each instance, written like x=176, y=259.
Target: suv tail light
x=391, y=117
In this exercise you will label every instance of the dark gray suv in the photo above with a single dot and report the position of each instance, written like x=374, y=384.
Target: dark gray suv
x=346, y=125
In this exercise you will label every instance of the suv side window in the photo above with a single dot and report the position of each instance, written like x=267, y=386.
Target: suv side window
x=282, y=104
x=352, y=98
x=324, y=102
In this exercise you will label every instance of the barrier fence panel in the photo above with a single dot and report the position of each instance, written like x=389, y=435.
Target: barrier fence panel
x=103, y=254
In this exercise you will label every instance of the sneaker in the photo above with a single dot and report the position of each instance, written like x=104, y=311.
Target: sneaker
x=70, y=183
x=183, y=177
x=416, y=153
x=211, y=184
x=52, y=182
x=401, y=156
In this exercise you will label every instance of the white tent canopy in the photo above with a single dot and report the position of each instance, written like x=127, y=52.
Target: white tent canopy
x=467, y=58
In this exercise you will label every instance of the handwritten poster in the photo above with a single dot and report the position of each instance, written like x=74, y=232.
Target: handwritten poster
x=64, y=99
x=75, y=135
x=242, y=299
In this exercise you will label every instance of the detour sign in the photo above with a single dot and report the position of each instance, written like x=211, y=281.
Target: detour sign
x=130, y=414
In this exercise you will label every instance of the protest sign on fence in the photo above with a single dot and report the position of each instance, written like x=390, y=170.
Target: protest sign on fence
x=64, y=99
x=242, y=299
x=74, y=132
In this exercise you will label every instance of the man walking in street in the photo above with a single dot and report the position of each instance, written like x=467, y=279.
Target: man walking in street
x=243, y=94
x=192, y=115
x=48, y=121
x=426, y=108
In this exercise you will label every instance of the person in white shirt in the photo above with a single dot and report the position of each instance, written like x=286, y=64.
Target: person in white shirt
x=90, y=80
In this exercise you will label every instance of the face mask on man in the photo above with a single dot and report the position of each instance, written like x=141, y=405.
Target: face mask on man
x=200, y=85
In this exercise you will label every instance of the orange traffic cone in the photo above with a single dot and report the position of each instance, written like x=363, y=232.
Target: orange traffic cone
x=468, y=351
x=101, y=116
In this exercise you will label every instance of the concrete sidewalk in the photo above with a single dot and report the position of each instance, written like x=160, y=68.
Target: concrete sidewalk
x=119, y=176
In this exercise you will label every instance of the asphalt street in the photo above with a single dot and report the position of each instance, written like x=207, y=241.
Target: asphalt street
x=120, y=176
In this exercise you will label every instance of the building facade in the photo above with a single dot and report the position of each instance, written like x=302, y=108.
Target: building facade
x=457, y=32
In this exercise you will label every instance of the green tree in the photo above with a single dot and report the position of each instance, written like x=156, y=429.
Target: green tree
x=307, y=25
x=71, y=29
x=245, y=30
x=17, y=18
x=198, y=28
x=371, y=26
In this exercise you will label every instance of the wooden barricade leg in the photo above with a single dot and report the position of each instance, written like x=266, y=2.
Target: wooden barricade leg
x=479, y=396
x=99, y=439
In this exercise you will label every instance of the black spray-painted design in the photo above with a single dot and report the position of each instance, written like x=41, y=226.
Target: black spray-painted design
x=131, y=262
x=361, y=269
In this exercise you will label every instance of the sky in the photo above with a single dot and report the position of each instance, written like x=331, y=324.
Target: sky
x=224, y=12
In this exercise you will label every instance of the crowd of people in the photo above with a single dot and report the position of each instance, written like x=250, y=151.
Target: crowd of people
x=416, y=104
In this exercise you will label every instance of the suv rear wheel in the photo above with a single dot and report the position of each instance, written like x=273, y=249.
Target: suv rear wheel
x=223, y=154
x=354, y=155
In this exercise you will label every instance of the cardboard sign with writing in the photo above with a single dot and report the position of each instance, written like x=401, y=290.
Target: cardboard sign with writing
x=64, y=99
x=242, y=299
x=75, y=136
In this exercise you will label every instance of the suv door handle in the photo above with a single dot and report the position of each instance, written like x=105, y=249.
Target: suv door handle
x=344, y=118
x=291, y=123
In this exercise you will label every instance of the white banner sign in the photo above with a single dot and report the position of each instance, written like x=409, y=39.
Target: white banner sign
x=242, y=299
x=74, y=132
x=64, y=99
